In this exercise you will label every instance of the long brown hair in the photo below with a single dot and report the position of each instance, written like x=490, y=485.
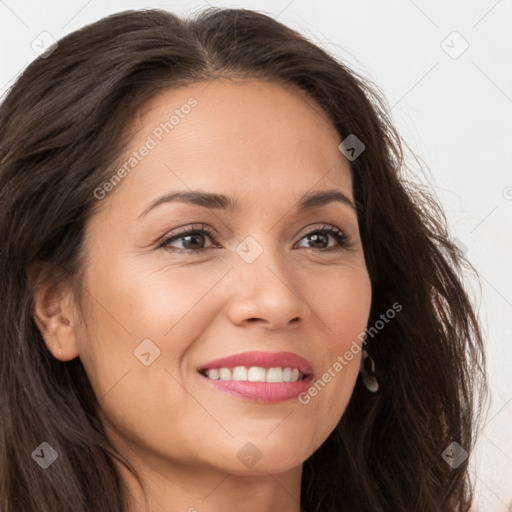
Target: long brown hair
x=57, y=124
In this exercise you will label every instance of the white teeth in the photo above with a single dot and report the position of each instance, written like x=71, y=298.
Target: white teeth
x=213, y=373
x=239, y=373
x=225, y=374
x=255, y=374
x=274, y=375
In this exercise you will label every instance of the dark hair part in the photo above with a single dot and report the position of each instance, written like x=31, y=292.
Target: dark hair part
x=57, y=124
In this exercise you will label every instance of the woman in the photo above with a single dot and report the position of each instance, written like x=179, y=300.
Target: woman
x=220, y=291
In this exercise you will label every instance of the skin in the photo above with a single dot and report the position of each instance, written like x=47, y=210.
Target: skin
x=264, y=145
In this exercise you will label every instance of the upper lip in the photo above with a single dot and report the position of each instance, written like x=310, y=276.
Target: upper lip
x=263, y=360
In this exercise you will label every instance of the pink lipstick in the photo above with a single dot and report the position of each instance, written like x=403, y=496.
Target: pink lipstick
x=268, y=377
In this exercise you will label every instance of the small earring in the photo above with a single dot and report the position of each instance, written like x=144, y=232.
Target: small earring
x=369, y=379
x=60, y=351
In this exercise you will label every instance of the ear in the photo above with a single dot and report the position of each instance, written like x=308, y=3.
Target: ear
x=54, y=312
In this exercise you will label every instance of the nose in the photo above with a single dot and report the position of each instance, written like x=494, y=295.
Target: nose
x=267, y=291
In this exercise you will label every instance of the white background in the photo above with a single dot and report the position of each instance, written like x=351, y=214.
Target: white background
x=454, y=112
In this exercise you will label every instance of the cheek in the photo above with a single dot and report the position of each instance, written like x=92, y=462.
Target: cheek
x=343, y=304
x=133, y=302
x=343, y=307
x=140, y=326
x=138, y=316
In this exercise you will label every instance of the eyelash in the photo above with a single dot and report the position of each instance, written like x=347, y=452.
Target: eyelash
x=339, y=235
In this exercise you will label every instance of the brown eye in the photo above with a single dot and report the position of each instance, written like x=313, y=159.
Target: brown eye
x=193, y=240
x=321, y=237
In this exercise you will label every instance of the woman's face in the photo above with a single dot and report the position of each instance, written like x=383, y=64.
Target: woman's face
x=156, y=313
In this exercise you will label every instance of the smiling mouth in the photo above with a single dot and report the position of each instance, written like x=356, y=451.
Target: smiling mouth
x=254, y=374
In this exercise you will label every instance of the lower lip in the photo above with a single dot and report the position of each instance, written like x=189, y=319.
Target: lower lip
x=265, y=392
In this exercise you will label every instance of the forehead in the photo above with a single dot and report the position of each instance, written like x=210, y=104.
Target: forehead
x=244, y=138
x=231, y=99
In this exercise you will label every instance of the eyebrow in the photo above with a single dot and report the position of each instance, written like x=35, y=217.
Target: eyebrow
x=222, y=202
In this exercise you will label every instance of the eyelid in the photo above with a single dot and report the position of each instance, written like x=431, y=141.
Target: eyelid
x=193, y=228
x=344, y=240
x=342, y=237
